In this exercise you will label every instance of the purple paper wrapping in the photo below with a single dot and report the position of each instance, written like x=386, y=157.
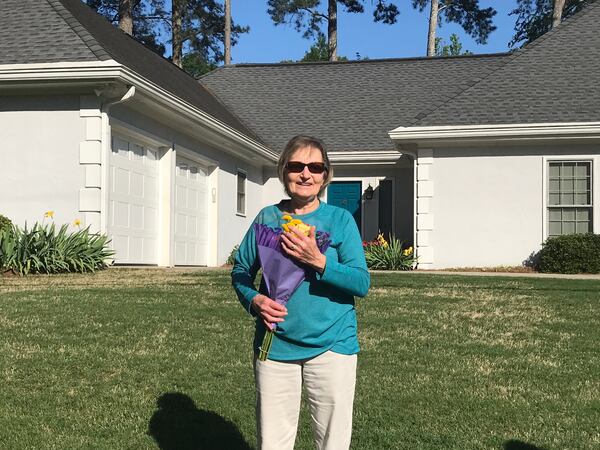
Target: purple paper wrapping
x=282, y=275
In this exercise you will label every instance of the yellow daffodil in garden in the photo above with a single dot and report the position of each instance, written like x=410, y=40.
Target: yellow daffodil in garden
x=49, y=214
x=77, y=223
x=408, y=251
x=382, y=241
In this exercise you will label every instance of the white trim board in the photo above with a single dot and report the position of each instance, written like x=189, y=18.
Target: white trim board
x=496, y=133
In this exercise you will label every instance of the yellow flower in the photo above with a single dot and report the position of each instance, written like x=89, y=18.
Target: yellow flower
x=382, y=240
x=77, y=222
x=291, y=222
x=49, y=214
x=408, y=251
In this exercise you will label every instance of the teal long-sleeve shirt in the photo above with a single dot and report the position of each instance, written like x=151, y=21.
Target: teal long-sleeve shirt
x=321, y=312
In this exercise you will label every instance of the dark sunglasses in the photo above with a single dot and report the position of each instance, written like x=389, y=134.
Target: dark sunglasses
x=313, y=167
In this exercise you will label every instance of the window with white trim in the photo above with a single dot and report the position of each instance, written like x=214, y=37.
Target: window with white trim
x=569, y=197
x=241, y=192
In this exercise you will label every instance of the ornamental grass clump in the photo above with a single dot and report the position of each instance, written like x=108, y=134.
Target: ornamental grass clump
x=571, y=253
x=46, y=249
x=383, y=255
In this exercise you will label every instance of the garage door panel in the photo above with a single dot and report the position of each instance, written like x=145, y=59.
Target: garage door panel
x=121, y=242
x=151, y=188
x=136, y=186
x=180, y=196
x=192, y=200
x=121, y=215
x=133, y=202
x=136, y=214
x=121, y=180
x=191, y=206
x=180, y=224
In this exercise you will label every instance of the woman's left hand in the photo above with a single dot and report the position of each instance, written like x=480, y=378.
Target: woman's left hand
x=303, y=248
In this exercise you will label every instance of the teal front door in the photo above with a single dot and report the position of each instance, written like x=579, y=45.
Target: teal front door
x=347, y=195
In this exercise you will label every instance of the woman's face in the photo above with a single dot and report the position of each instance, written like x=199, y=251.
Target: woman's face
x=305, y=186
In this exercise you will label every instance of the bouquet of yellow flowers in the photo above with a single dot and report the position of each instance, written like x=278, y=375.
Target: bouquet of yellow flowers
x=282, y=275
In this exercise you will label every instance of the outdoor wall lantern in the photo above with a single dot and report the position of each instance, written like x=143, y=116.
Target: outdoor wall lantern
x=369, y=192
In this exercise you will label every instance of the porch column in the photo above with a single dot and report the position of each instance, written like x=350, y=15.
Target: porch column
x=424, y=221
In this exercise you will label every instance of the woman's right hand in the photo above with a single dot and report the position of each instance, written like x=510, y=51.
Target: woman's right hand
x=268, y=310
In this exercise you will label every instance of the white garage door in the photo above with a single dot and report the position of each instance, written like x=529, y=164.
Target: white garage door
x=133, y=202
x=191, y=213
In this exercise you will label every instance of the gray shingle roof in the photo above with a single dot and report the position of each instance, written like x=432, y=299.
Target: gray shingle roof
x=350, y=105
x=38, y=31
x=554, y=79
x=34, y=31
x=353, y=105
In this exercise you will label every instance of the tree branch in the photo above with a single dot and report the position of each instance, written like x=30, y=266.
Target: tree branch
x=314, y=13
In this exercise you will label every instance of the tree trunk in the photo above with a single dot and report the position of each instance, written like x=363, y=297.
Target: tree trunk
x=557, y=12
x=227, y=44
x=126, y=16
x=332, y=30
x=177, y=31
x=433, y=21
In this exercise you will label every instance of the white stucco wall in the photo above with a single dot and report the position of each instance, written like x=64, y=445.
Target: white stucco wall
x=231, y=226
x=488, y=206
x=39, y=157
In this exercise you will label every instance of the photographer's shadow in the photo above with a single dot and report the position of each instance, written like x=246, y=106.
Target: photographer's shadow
x=178, y=424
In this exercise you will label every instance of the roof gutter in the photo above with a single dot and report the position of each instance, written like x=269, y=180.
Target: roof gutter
x=375, y=157
x=102, y=71
x=462, y=134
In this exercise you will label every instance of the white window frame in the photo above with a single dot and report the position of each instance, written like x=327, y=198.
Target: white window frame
x=237, y=192
x=595, y=188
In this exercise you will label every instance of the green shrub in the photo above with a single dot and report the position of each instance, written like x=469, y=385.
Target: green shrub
x=572, y=253
x=383, y=255
x=5, y=223
x=231, y=258
x=44, y=249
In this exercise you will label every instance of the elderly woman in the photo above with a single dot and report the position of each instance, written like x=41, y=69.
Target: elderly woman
x=315, y=343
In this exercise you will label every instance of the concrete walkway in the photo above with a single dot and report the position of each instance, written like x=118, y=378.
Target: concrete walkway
x=579, y=276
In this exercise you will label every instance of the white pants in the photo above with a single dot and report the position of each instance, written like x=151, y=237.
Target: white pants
x=329, y=380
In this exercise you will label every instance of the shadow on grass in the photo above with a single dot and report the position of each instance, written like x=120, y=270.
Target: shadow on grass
x=514, y=444
x=178, y=424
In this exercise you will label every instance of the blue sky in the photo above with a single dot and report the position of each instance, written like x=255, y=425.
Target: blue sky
x=357, y=33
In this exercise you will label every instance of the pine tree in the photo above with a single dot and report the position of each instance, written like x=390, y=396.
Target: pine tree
x=309, y=15
x=476, y=21
x=536, y=17
x=196, y=28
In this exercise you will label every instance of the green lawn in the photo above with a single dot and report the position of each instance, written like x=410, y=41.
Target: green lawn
x=135, y=359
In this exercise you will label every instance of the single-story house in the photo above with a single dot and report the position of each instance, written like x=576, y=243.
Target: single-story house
x=474, y=160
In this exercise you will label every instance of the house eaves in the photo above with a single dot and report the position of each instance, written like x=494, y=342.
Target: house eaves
x=486, y=134
x=362, y=158
x=109, y=71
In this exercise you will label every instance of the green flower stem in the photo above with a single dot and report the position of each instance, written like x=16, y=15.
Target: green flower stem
x=266, y=345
